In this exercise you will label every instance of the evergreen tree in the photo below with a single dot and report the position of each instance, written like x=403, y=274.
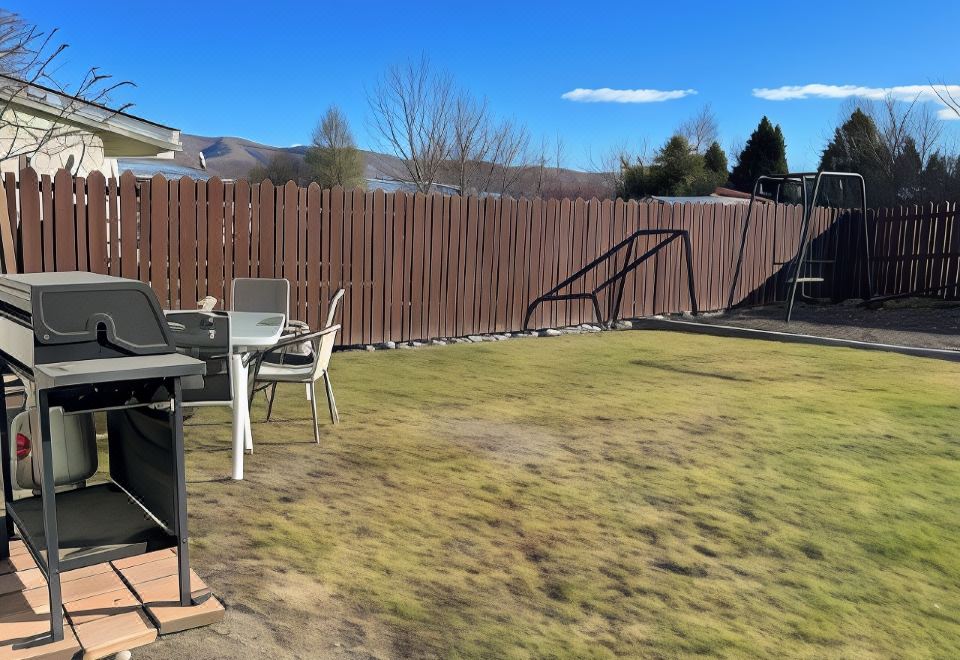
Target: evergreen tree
x=907, y=170
x=715, y=160
x=676, y=167
x=632, y=183
x=857, y=147
x=677, y=170
x=937, y=178
x=764, y=153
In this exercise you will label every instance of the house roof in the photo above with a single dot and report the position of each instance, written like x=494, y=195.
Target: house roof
x=703, y=199
x=145, y=168
x=123, y=134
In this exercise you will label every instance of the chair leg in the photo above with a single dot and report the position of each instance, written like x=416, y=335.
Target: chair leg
x=270, y=397
x=313, y=409
x=334, y=415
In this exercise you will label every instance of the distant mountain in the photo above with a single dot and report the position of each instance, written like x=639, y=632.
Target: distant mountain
x=234, y=157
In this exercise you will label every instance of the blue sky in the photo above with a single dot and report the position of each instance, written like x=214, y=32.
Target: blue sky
x=267, y=74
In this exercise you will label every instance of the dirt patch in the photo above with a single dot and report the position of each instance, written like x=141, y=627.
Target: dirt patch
x=517, y=444
x=288, y=615
x=911, y=322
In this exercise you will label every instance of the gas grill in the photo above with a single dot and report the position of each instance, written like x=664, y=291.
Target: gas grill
x=83, y=343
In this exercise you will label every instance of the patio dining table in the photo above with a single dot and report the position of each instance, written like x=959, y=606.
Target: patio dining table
x=249, y=332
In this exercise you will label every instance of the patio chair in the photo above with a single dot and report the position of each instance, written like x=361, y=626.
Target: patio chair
x=205, y=335
x=264, y=294
x=276, y=365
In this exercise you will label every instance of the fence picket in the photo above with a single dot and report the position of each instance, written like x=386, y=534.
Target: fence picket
x=31, y=237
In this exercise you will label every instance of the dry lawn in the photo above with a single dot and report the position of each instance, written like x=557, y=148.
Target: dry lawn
x=632, y=494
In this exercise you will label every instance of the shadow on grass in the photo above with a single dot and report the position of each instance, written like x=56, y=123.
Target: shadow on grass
x=688, y=372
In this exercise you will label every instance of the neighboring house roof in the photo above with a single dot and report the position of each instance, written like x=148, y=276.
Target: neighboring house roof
x=703, y=199
x=392, y=185
x=146, y=168
x=721, y=191
x=122, y=133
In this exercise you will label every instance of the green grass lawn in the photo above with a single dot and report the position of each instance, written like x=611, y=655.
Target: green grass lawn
x=632, y=494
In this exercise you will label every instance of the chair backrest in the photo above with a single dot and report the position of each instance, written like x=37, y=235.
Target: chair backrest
x=205, y=336
x=323, y=346
x=323, y=349
x=332, y=309
x=261, y=294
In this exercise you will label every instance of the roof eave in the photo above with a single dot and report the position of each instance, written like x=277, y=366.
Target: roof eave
x=99, y=119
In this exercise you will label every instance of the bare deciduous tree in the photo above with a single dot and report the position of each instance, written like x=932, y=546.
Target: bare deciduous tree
x=948, y=95
x=28, y=61
x=615, y=162
x=441, y=134
x=507, y=156
x=412, y=106
x=700, y=130
x=470, y=140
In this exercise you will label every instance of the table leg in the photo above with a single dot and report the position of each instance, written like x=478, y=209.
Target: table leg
x=247, y=432
x=239, y=374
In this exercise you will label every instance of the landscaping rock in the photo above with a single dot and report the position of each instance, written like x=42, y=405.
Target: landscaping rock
x=369, y=347
x=437, y=342
x=550, y=332
x=475, y=339
x=623, y=325
x=387, y=345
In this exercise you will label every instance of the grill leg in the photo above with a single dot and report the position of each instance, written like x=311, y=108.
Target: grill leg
x=51, y=534
x=183, y=551
x=6, y=529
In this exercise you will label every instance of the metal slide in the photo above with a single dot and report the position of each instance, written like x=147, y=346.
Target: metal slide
x=799, y=266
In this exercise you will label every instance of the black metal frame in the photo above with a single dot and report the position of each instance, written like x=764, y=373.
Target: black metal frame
x=809, y=204
x=51, y=566
x=620, y=277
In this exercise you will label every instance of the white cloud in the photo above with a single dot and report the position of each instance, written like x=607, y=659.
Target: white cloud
x=922, y=93
x=947, y=113
x=607, y=95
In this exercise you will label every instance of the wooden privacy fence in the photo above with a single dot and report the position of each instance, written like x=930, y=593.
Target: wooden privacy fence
x=914, y=250
x=414, y=266
x=917, y=248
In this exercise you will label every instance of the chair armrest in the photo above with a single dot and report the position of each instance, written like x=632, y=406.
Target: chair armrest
x=290, y=341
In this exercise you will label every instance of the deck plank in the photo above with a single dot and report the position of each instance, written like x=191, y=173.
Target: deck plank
x=65, y=649
x=96, y=607
x=173, y=618
x=117, y=632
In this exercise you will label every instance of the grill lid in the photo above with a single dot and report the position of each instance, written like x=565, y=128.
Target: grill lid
x=78, y=307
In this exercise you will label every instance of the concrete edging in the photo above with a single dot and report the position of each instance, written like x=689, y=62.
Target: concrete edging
x=789, y=337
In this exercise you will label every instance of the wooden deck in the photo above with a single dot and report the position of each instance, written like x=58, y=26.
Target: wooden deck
x=109, y=607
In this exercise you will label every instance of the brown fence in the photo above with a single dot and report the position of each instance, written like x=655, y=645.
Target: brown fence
x=414, y=266
x=917, y=249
